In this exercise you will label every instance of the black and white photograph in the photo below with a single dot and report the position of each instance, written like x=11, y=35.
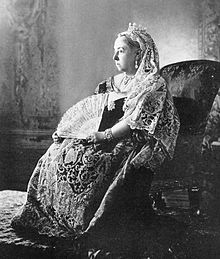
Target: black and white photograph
x=109, y=129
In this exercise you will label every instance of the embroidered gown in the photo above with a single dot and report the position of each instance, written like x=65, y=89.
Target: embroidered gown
x=74, y=184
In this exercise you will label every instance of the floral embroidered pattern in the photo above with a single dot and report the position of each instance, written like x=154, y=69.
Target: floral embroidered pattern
x=80, y=167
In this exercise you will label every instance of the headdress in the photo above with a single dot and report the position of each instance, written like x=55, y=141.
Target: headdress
x=149, y=52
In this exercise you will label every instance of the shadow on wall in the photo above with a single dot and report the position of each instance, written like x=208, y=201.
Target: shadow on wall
x=19, y=152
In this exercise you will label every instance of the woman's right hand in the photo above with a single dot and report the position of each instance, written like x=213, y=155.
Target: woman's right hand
x=56, y=138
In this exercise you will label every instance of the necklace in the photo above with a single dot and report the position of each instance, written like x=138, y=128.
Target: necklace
x=125, y=81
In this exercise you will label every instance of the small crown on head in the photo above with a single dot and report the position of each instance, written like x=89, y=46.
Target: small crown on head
x=133, y=27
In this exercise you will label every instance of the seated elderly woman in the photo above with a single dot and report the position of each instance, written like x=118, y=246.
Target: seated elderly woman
x=106, y=147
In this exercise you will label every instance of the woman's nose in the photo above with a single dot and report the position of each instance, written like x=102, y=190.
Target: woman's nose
x=115, y=56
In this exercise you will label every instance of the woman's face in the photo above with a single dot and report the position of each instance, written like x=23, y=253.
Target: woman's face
x=124, y=56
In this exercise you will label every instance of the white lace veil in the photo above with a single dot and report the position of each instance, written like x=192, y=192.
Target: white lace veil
x=149, y=105
x=147, y=77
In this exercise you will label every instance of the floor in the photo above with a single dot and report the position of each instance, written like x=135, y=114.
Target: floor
x=171, y=233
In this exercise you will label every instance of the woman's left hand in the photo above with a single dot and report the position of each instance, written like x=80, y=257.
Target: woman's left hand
x=206, y=144
x=96, y=137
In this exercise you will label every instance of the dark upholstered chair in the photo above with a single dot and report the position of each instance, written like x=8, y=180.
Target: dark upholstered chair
x=193, y=85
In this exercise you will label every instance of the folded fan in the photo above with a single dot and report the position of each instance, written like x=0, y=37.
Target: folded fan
x=83, y=118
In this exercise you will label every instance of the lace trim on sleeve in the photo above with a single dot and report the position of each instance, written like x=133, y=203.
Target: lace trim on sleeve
x=105, y=86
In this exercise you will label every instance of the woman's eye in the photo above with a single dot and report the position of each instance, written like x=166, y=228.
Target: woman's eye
x=121, y=51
